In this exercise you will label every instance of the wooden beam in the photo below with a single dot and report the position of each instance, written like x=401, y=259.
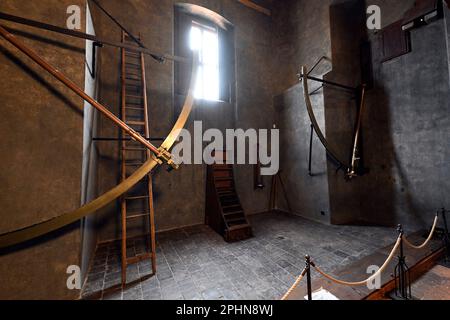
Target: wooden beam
x=256, y=7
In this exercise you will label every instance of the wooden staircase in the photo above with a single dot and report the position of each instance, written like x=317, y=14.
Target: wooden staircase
x=137, y=204
x=224, y=212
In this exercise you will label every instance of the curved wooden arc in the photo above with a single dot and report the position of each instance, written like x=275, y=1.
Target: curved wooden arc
x=39, y=229
x=27, y=233
x=314, y=122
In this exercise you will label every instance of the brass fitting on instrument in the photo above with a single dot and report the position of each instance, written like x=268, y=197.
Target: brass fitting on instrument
x=164, y=156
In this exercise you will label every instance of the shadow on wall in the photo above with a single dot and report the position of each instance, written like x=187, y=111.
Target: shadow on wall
x=413, y=92
x=405, y=132
x=19, y=62
x=366, y=200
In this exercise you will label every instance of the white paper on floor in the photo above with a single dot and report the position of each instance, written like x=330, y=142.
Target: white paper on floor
x=322, y=294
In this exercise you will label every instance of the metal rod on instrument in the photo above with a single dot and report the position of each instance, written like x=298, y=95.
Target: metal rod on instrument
x=72, y=86
x=356, y=142
x=310, y=151
x=139, y=42
x=125, y=139
x=335, y=84
x=118, y=23
x=81, y=35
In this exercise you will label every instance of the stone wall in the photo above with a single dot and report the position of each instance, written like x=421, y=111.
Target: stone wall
x=407, y=132
x=405, y=124
x=180, y=195
x=301, y=35
x=42, y=150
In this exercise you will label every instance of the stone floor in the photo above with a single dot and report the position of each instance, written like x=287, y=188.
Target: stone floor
x=195, y=262
x=434, y=285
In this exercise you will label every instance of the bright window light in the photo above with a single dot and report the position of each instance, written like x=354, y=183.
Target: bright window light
x=205, y=40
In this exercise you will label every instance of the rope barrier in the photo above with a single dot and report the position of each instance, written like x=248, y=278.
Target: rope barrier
x=398, y=244
x=364, y=282
x=295, y=285
x=433, y=229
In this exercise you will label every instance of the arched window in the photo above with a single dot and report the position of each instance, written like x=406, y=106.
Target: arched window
x=198, y=28
x=205, y=40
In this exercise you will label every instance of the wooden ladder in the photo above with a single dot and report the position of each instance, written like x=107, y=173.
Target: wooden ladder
x=224, y=212
x=134, y=112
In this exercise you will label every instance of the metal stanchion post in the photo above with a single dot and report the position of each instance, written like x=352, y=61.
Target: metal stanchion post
x=401, y=272
x=446, y=238
x=308, y=276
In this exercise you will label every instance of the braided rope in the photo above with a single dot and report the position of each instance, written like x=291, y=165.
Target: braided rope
x=364, y=282
x=426, y=241
x=383, y=267
x=295, y=285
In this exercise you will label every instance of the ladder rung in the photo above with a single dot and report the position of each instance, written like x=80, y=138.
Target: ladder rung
x=136, y=83
x=139, y=258
x=135, y=104
x=127, y=82
x=130, y=39
x=133, y=96
x=133, y=65
x=134, y=216
x=134, y=108
x=134, y=149
x=137, y=131
x=132, y=54
x=136, y=123
x=134, y=164
x=133, y=78
x=137, y=198
x=133, y=74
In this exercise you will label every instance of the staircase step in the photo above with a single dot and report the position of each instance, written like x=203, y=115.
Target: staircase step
x=227, y=214
x=223, y=178
x=223, y=169
x=231, y=206
x=234, y=220
x=239, y=226
x=226, y=193
x=229, y=202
